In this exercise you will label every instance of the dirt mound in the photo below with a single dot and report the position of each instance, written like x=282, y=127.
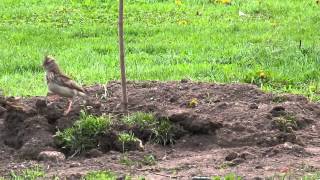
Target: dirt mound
x=209, y=118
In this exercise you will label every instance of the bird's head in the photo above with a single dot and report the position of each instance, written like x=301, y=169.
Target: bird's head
x=50, y=64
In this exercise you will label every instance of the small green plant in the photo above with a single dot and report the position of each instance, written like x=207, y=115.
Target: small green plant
x=83, y=134
x=286, y=123
x=279, y=99
x=125, y=160
x=162, y=129
x=314, y=176
x=257, y=77
x=163, y=132
x=230, y=176
x=28, y=174
x=126, y=138
x=141, y=119
x=100, y=175
x=149, y=160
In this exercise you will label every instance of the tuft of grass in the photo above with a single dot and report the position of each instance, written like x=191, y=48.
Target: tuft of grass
x=286, y=123
x=83, y=134
x=149, y=160
x=125, y=160
x=258, y=78
x=100, y=175
x=143, y=120
x=279, y=99
x=28, y=174
x=162, y=129
x=230, y=176
x=127, y=138
x=163, y=132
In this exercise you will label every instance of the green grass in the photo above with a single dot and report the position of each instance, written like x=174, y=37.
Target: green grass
x=83, y=134
x=230, y=176
x=200, y=40
x=141, y=119
x=162, y=129
x=126, y=138
x=100, y=175
x=27, y=174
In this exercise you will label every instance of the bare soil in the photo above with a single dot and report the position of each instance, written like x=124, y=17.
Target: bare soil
x=223, y=128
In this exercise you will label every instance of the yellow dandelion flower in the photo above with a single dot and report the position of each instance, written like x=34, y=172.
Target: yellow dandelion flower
x=262, y=75
x=193, y=103
x=182, y=22
x=178, y=2
x=226, y=1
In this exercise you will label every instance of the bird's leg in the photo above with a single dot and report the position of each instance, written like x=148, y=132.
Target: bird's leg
x=69, y=107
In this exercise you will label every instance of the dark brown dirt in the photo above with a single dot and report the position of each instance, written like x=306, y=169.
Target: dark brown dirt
x=223, y=128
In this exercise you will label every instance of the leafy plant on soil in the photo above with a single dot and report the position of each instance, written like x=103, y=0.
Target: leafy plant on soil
x=279, y=99
x=83, y=134
x=162, y=129
x=286, y=123
x=125, y=160
x=149, y=160
x=257, y=77
x=100, y=175
x=163, y=132
x=231, y=176
x=309, y=176
x=28, y=174
x=127, y=138
x=143, y=120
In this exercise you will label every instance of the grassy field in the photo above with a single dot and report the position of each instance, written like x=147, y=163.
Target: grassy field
x=165, y=40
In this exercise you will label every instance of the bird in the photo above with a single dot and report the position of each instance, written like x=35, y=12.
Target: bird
x=60, y=84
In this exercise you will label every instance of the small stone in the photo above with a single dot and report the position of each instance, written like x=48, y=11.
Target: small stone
x=114, y=157
x=173, y=99
x=201, y=178
x=231, y=156
x=121, y=177
x=237, y=161
x=184, y=80
x=74, y=164
x=288, y=145
x=40, y=103
x=51, y=156
x=278, y=111
x=2, y=110
x=177, y=115
x=253, y=106
x=247, y=155
x=258, y=178
x=93, y=153
x=74, y=176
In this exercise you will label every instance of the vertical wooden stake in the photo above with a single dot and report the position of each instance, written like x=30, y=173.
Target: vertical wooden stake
x=122, y=60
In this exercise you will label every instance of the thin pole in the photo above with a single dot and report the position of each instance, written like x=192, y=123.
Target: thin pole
x=122, y=60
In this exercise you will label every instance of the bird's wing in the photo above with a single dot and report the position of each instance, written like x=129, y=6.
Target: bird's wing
x=64, y=80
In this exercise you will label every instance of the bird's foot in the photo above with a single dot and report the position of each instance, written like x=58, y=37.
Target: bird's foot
x=69, y=108
x=66, y=112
